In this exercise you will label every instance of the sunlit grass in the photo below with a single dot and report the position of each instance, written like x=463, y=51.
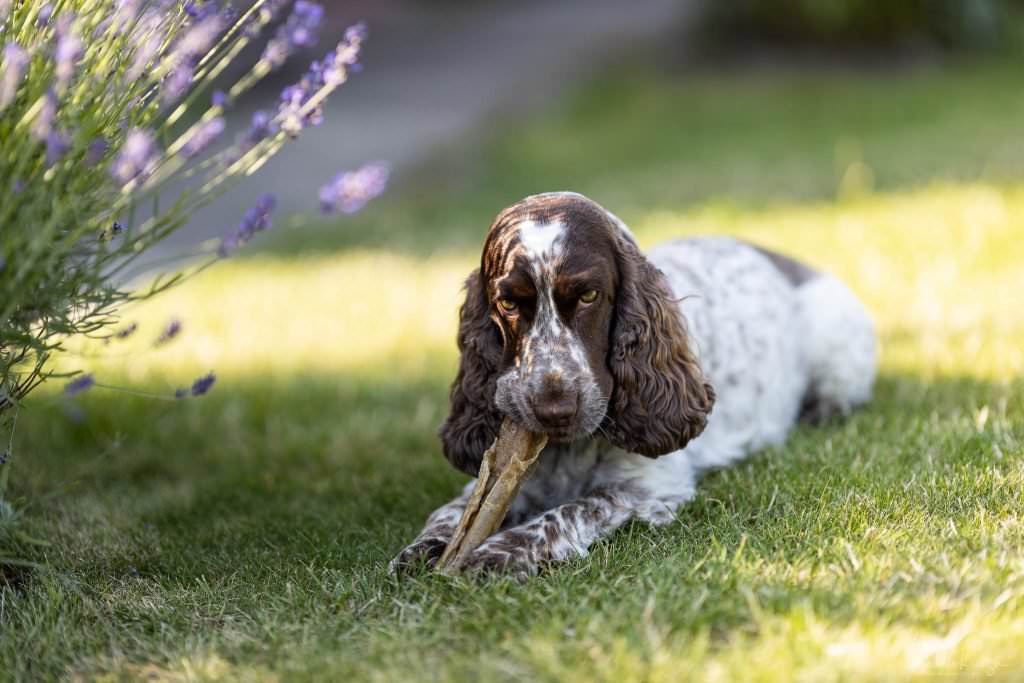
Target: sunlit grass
x=938, y=267
x=243, y=536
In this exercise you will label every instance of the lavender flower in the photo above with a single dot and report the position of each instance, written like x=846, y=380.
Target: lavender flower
x=68, y=52
x=172, y=330
x=203, y=384
x=346, y=55
x=300, y=30
x=79, y=384
x=43, y=123
x=256, y=219
x=97, y=150
x=15, y=61
x=146, y=35
x=43, y=18
x=205, y=134
x=137, y=157
x=219, y=98
x=261, y=127
x=198, y=39
x=291, y=110
x=294, y=111
x=193, y=10
x=124, y=14
x=126, y=332
x=177, y=82
x=352, y=190
x=57, y=144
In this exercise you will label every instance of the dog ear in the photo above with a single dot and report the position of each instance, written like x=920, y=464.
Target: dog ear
x=660, y=400
x=473, y=422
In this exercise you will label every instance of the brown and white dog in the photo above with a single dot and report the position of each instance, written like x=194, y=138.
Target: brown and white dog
x=569, y=329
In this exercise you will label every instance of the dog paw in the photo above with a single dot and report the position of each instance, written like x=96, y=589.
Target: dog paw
x=498, y=561
x=423, y=551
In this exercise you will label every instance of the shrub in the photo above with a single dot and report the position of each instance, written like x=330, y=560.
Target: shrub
x=944, y=23
x=103, y=103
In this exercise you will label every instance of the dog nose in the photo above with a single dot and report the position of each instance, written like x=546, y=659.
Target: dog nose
x=556, y=411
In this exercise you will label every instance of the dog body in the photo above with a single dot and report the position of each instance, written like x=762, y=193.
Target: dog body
x=624, y=380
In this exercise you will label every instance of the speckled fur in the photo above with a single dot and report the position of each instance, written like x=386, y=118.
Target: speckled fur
x=774, y=338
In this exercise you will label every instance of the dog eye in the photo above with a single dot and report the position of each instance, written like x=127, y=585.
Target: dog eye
x=508, y=305
x=589, y=297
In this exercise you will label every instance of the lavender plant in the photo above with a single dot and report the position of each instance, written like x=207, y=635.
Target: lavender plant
x=103, y=104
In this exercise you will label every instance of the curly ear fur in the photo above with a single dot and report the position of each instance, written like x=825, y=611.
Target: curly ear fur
x=660, y=400
x=473, y=422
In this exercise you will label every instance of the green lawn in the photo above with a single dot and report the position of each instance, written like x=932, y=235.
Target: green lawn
x=244, y=536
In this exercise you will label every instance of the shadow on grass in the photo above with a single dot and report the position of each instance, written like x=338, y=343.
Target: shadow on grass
x=279, y=502
x=340, y=470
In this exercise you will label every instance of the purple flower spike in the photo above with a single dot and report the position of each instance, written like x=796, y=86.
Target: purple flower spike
x=204, y=135
x=198, y=39
x=356, y=33
x=97, y=150
x=43, y=123
x=177, y=83
x=124, y=14
x=219, y=98
x=15, y=61
x=172, y=330
x=68, y=52
x=57, y=144
x=203, y=384
x=329, y=73
x=79, y=385
x=257, y=219
x=352, y=190
x=262, y=127
x=43, y=18
x=127, y=331
x=137, y=157
x=300, y=30
x=145, y=36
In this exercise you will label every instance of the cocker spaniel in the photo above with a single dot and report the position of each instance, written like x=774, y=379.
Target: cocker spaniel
x=571, y=330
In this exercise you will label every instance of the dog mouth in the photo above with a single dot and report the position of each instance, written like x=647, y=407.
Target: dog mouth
x=576, y=416
x=563, y=434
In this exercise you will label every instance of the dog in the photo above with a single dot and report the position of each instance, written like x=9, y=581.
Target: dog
x=643, y=370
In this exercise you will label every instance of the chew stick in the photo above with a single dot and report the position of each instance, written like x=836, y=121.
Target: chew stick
x=505, y=465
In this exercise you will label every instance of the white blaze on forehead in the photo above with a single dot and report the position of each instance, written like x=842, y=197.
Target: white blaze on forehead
x=540, y=240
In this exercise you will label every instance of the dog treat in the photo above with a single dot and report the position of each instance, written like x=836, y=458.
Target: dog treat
x=505, y=466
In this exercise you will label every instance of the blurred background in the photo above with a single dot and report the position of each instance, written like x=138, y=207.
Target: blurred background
x=452, y=76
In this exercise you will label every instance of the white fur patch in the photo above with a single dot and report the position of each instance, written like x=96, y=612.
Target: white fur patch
x=541, y=241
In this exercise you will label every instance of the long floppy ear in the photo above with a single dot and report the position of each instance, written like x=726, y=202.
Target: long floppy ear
x=473, y=422
x=660, y=399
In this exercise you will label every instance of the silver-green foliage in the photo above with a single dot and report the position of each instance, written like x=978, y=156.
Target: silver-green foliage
x=95, y=100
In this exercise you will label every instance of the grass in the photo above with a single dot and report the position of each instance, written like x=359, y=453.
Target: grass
x=244, y=536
